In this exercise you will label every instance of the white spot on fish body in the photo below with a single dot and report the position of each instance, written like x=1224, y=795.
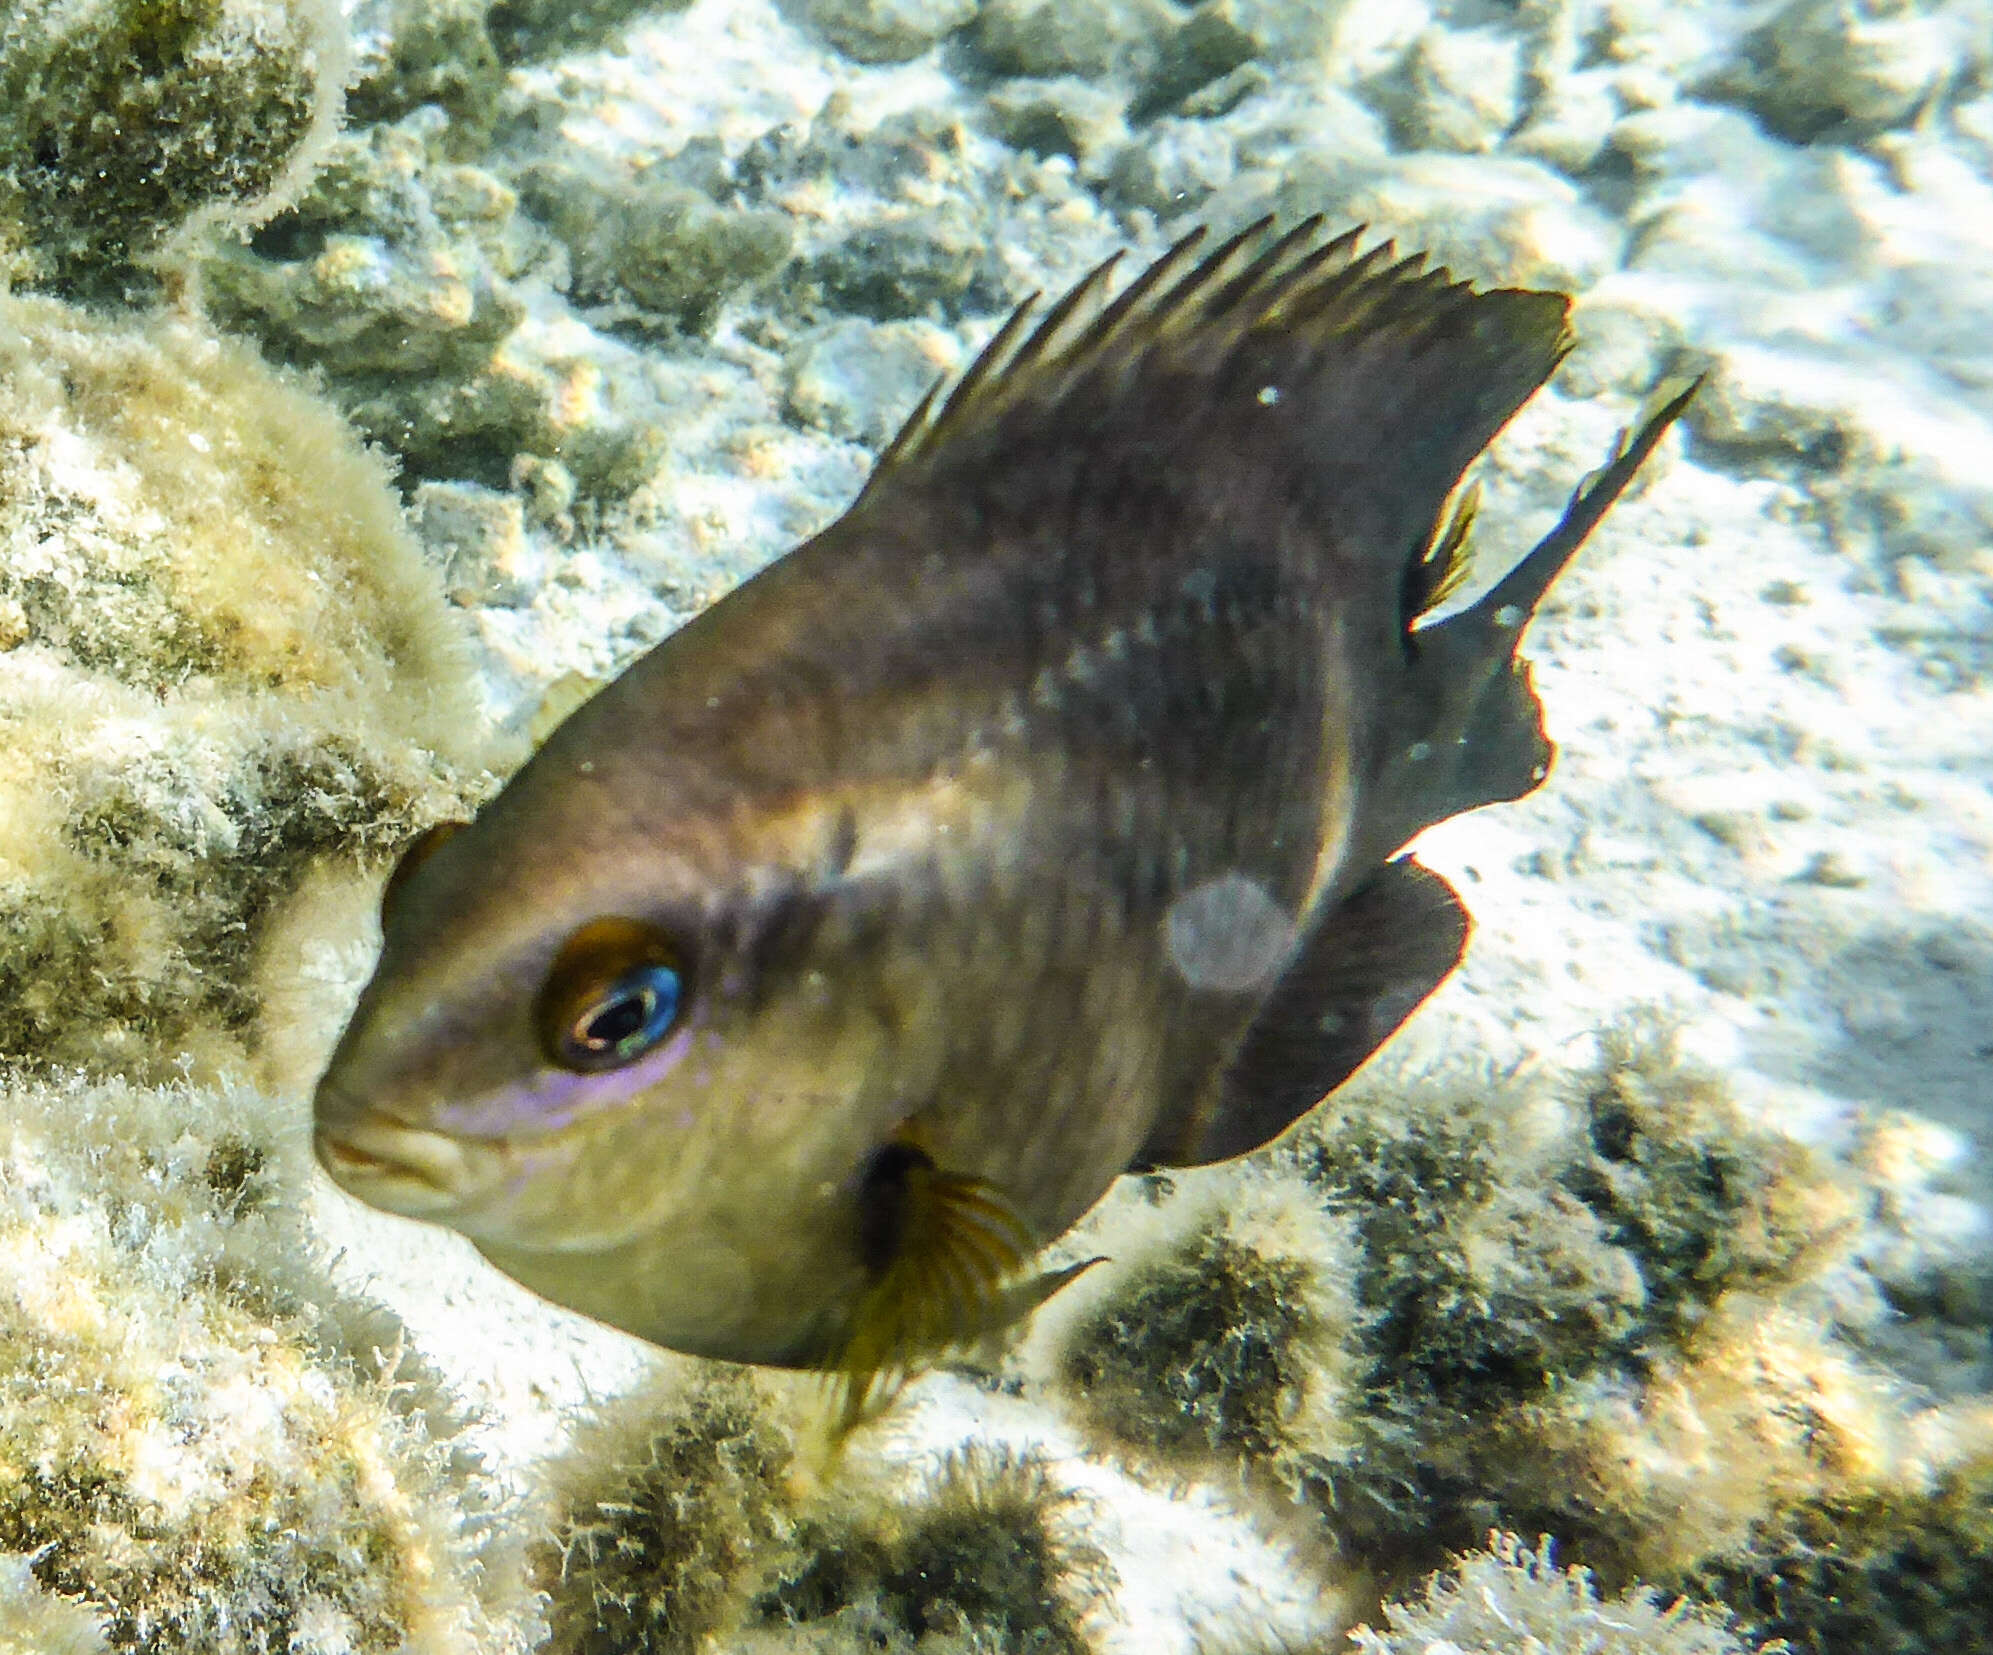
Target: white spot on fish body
x=1228, y=935
x=1269, y=395
x=1419, y=751
x=1509, y=617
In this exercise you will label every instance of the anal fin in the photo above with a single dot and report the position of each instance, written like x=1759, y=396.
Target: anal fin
x=1365, y=967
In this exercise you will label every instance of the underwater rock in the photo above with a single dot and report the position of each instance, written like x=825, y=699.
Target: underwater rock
x=124, y=122
x=1897, y=1569
x=477, y=537
x=1210, y=44
x=911, y=263
x=1500, y=220
x=987, y=1553
x=398, y=261
x=686, y=1521
x=1056, y=117
x=1048, y=38
x=201, y=1451
x=227, y=664
x=1853, y=68
x=1598, y=1305
x=1509, y=1597
x=414, y=284
x=1222, y=1330
x=1456, y=89
x=523, y=30
x=410, y=52
x=666, y=1509
x=1173, y=168
x=882, y=31
x=654, y=244
x=34, y=1621
x=852, y=378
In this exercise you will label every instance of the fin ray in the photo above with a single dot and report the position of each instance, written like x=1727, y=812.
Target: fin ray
x=1361, y=381
x=950, y=1251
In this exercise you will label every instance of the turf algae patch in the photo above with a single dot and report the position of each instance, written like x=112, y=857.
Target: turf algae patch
x=1590, y=1303
x=226, y=666
x=1220, y=1331
x=686, y=1521
x=200, y=1449
x=1889, y=1571
x=666, y=1511
x=122, y=121
x=984, y=1555
x=1595, y=1304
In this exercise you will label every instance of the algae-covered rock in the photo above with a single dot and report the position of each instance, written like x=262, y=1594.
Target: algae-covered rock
x=199, y=1450
x=1853, y=66
x=654, y=244
x=410, y=52
x=35, y=1621
x=1890, y=1568
x=687, y=1519
x=1068, y=116
x=1221, y=1332
x=226, y=663
x=882, y=31
x=122, y=120
x=1046, y=38
x=908, y=264
x=1173, y=167
x=667, y=1512
x=987, y=1553
x=431, y=305
x=526, y=29
x=1454, y=90
x=1212, y=42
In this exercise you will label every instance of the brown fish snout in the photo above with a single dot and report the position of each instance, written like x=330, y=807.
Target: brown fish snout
x=401, y=1168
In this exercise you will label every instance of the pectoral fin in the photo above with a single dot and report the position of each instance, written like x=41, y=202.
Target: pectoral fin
x=948, y=1257
x=1363, y=969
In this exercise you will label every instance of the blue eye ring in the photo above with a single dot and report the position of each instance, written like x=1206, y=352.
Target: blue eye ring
x=613, y=992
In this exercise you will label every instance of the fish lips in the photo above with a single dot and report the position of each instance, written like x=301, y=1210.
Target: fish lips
x=399, y=1168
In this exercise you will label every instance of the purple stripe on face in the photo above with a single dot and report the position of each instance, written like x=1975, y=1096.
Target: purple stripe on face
x=553, y=1098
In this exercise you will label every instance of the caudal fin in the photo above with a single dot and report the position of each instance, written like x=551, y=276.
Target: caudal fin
x=1473, y=734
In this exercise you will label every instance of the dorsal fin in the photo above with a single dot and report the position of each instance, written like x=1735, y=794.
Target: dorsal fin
x=1358, y=377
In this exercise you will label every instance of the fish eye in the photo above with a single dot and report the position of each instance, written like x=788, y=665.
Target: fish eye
x=423, y=846
x=613, y=993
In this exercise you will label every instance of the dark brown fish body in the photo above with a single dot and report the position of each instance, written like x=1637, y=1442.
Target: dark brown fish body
x=1032, y=822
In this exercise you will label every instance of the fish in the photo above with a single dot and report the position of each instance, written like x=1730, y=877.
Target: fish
x=1043, y=819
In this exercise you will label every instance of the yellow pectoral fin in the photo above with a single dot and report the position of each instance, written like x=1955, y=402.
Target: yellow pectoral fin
x=948, y=1255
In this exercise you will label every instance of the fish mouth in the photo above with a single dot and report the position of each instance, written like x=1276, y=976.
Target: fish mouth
x=402, y=1169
